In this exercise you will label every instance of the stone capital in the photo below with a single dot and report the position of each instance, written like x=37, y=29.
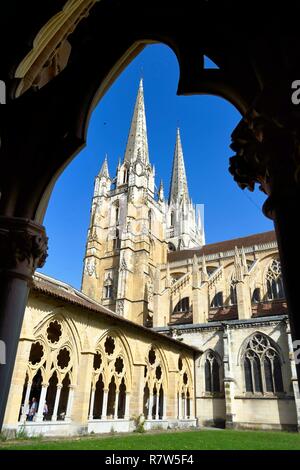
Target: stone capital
x=23, y=246
x=266, y=153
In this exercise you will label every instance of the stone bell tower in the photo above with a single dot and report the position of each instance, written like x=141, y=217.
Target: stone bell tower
x=126, y=240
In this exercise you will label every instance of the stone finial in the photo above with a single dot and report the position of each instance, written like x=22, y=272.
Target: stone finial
x=238, y=268
x=244, y=262
x=204, y=275
x=161, y=192
x=103, y=173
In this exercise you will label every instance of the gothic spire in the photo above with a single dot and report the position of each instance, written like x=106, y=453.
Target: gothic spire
x=137, y=143
x=104, y=169
x=178, y=186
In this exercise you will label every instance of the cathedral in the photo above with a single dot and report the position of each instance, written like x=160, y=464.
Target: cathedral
x=166, y=331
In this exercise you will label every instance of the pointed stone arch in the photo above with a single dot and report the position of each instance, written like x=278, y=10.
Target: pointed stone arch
x=272, y=342
x=125, y=353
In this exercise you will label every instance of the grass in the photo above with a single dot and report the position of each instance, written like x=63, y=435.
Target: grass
x=171, y=440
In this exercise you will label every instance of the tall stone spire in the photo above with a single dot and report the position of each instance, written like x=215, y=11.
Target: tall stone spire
x=137, y=143
x=104, y=169
x=178, y=186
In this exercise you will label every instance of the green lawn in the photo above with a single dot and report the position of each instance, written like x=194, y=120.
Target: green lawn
x=171, y=440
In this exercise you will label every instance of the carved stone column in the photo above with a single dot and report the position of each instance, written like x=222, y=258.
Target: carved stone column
x=267, y=146
x=229, y=384
x=23, y=248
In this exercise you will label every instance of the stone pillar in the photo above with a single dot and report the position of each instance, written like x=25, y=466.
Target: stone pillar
x=39, y=415
x=104, y=404
x=184, y=407
x=18, y=379
x=137, y=391
x=150, y=405
x=116, y=404
x=200, y=292
x=70, y=403
x=92, y=401
x=82, y=392
x=180, y=403
x=266, y=150
x=164, y=413
x=157, y=405
x=127, y=405
x=228, y=379
x=24, y=405
x=56, y=403
x=294, y=374
x=23, y=247
x=243, y=295
x=192, y=410
x=157, y=312
x=176, y=407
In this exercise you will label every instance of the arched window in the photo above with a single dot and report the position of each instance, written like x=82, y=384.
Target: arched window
x=125, y=175
x=109, y=381
x=233, y=296
x=217, y=300
x=153, y=399
x=117, y=241
x=212, y=373
x=274, y=281
x=171, y=247
x=182, y=306
x=256, y=296
x=172, y=219
x=262, y=367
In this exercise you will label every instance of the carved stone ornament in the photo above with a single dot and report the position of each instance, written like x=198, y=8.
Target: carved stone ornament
x=123, y=264
x=120, y=307
x=264, y=150
x=90, y=267
x=23, y=245
x=51, y=49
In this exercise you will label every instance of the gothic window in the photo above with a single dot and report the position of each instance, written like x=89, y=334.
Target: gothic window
x=54, y=332
x=212, y=373
x=182, y=306
x=125, y=175
x=36, y=353
x=117, y=214
x=217, y=300
x=109, y=380
x=109, y=345
x=172, y=219
x=256, y=296
x=262, y=367
x=274, y=281
x=210, y=270
x=51, y=366
x=153, y=400
x=117, y=241
x=233, y=296
x=171, y=247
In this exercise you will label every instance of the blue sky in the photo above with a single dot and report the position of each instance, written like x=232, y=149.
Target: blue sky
x=205, y=122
